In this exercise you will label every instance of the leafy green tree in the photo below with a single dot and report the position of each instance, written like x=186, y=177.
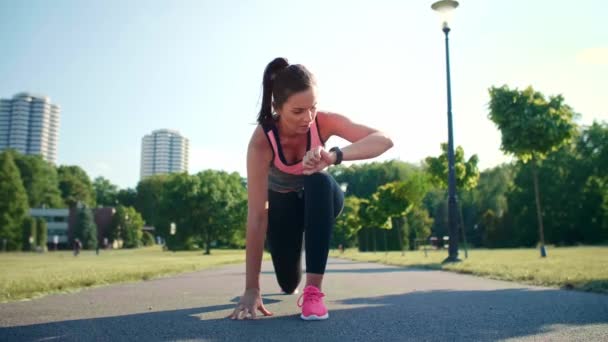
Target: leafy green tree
x=41, y=233
x=13, y=202
x=177, y=197
x=85, y=228
x=40, y=181
x=105, y=192
x=149, y=198
x=367, y=239
x=592, y=158
x=466, y=174
x=221, y=196
x=364, y=179
x=490, y=204
x=237, y=234
x=532, y=127
x=574, y=189
x=75, y=186
x=126, y=197
x=466, y=171
x=348, y=223
x=396, y=199
x=127, y=226
x=147, y=239
x=208, y=207
x=29, y=232
x=419, y=224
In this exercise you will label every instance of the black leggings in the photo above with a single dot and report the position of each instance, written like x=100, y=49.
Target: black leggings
x=313, y=211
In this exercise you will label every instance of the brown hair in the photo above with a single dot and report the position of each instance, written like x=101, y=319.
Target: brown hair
x=281, y=80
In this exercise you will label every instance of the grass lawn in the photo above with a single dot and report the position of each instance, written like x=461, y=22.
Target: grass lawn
x=30, y=275
x=581, y=268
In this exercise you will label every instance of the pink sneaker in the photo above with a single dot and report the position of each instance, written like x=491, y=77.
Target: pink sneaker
x=313, y=308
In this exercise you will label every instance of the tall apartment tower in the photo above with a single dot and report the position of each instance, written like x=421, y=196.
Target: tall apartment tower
x=30, y=124
x=163, y=151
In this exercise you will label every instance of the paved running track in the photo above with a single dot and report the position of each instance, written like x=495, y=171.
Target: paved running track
x=367, y=302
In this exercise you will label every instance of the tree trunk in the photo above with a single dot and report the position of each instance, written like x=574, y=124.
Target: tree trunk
x=385, y=242
x=208, y=245
x=400, y=232
x=541, y=230
x=374, y=233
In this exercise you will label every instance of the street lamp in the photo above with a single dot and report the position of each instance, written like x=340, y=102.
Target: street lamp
x=445, y=8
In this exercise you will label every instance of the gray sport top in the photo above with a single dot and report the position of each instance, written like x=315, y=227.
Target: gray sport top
x=283, y=176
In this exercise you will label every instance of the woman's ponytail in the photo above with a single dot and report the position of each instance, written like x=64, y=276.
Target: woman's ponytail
x=270, y=74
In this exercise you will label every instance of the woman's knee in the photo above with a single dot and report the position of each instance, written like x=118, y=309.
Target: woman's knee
x=319, y=179
x=289, y=281
x=289, y=288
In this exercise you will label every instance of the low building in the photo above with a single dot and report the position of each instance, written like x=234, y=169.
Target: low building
x=61, y=223
x=57, y=221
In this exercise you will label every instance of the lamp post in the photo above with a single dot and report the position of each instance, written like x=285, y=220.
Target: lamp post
x=445, y=8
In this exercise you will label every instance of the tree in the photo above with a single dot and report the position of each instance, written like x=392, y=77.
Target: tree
x=348, y=223
x=147, y=239
x=419, y=224
x=105, y=192
x=13, y=202
x=41, y=233
x=132, y=231
x=207, y=207
x=86, y=228
x=490, y=202
x=127, y=197
x=75, y=186
x=466, y=171
x=177, y=199
x=395, y=200
x=592, y=149
x=40, y=181
x=221, y=196
x=466, y=174
x=574, y=188
x=29, y=233
x=531, y=128
x=364, y=179
x=149, y=197
x=127, y=226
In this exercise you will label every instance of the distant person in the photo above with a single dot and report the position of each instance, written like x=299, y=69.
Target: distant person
x=77, y=246
x=289, y=194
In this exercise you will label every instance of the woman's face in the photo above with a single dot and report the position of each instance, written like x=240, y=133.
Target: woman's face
x=299, y=111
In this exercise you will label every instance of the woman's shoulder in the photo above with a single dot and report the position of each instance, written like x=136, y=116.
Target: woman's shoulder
x=258, y=143
x=326, y=123
x=258, y=137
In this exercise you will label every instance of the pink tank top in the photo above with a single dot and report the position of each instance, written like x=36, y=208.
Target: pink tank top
x=272, y=133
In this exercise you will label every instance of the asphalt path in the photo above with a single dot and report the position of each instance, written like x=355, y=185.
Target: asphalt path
x=366, y=302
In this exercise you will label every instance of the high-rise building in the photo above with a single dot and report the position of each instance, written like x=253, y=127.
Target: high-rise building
x=30, y=124
x=163, y=151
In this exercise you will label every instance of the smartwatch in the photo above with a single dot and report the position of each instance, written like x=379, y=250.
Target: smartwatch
x=338, y=152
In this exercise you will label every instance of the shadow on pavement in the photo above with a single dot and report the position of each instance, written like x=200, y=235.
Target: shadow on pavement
x=433, y=315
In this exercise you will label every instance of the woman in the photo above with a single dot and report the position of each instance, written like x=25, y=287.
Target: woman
x=289, y=195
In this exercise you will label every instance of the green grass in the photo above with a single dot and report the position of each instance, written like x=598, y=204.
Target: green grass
x=580, y=268
x=30, y=275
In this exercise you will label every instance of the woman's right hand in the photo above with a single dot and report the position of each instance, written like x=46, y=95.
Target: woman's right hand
x=250, y=301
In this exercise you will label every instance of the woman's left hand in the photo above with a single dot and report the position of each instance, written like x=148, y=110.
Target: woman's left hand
x=316, y=160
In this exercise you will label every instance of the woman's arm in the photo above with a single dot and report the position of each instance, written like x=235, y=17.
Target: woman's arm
x=259, y=157
x=366, y=142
